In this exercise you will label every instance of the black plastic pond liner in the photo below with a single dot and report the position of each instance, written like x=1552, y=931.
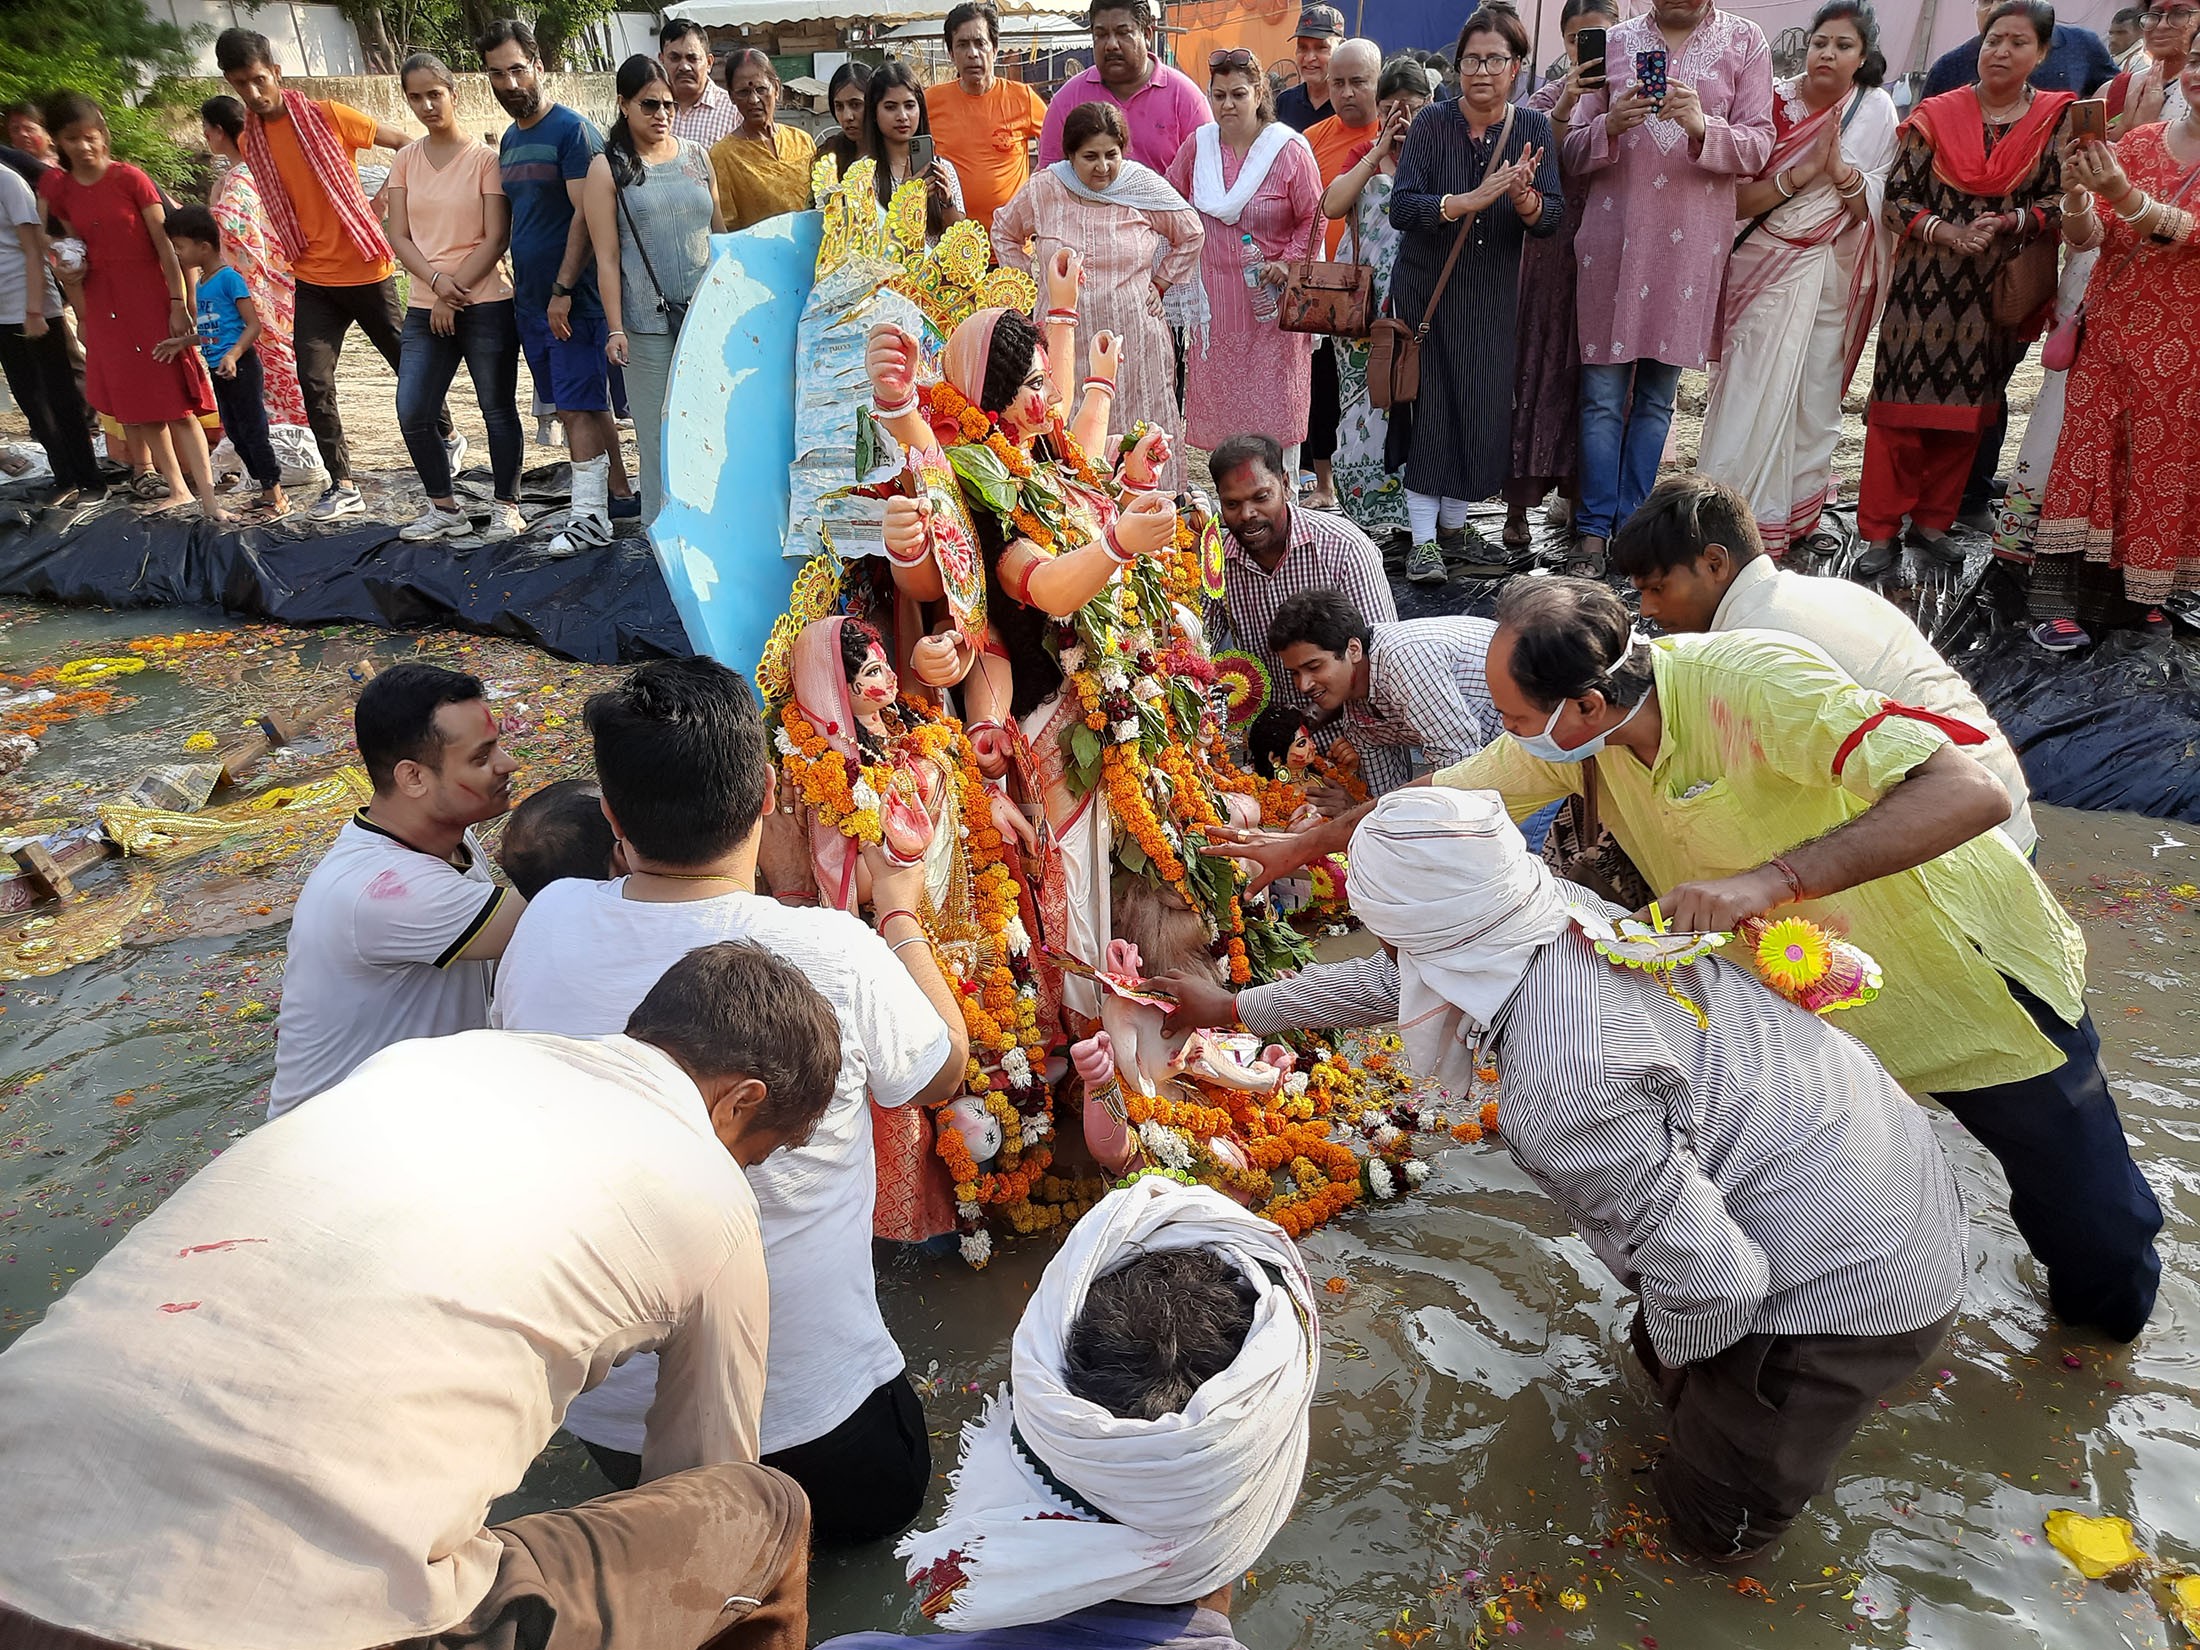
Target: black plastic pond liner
x=599, y=606
x=2117, y=726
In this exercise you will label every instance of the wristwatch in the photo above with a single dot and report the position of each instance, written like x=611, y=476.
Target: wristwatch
x=558, y=289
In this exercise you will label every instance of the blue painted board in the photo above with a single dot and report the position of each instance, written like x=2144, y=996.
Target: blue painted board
x=729, y=438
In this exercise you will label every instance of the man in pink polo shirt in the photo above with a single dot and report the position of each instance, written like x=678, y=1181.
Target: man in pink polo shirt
x=1161, y=105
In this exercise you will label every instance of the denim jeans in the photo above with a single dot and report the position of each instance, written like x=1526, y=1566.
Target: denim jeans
x=325, y=316
x=242, y=401
x=1621, y=444
x=486, y=336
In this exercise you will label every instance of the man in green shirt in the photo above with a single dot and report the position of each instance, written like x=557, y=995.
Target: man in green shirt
x=1743, y=772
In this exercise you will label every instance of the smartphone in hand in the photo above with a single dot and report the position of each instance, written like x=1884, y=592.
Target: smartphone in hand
x=1589, y=48
x=2089, y=119
x=1650, y=74
x=921, y=154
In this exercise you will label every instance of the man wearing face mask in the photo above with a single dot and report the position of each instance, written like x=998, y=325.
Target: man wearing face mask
x=1745, y=775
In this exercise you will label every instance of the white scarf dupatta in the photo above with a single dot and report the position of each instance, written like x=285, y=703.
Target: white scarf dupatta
x=1141, y=189
x=1059, y=1504
x=1226, y=205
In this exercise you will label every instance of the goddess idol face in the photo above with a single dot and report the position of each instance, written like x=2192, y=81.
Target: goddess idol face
x=875, y=683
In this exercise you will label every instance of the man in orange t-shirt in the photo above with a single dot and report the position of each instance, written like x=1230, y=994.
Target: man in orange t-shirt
x=983, y=125
x=340, y=283
x=1337, y=139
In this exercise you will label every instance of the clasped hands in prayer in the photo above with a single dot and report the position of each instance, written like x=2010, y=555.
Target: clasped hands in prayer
x=1516, y=180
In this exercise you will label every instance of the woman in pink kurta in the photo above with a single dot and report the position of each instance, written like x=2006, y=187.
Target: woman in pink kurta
x=1139, y=242
x=1247, y=174
x=1656, y=230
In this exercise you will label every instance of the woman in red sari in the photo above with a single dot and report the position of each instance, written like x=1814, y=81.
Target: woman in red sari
x=142, y=365
x=1975, y=187
x=2125, y=489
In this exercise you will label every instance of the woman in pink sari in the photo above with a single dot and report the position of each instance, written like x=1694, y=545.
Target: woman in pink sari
x=1249, y=175
x=1805, y=284
x=248, y=242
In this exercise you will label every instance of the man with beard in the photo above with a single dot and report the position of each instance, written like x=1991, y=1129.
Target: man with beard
x=1161, y=106
x=304, y=158
x=397, y=930
x=544, y=156
x=701, y=110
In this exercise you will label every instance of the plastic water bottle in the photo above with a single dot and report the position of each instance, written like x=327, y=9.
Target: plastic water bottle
x=1262, y=295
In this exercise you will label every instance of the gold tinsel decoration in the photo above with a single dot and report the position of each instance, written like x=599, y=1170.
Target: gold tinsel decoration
x=816, y=595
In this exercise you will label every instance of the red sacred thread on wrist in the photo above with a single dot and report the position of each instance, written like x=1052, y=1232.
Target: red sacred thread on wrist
x=1788, y=874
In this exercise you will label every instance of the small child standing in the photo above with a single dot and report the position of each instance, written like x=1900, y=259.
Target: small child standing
x=229, y=327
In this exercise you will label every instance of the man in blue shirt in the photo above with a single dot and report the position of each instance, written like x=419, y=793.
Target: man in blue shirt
x=544, y=157
x=2078, y=61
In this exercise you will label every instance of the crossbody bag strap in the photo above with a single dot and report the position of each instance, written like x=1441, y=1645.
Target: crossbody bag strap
x=664, y=305
x=1856, y=102
x=1436, y=296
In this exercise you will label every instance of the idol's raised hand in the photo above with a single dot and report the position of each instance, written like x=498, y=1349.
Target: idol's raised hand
x=908, y=520
x=890, y=362
x=1147, y=525
x=1065, y=274
x=1107, y=356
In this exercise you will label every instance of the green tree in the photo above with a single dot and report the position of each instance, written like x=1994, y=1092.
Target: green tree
x=111, y=50
x=388, y=29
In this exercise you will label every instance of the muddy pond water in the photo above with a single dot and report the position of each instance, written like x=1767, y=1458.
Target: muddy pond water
x=1480, y=1433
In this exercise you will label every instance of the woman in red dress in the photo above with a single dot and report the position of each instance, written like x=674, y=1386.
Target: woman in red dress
x=2123, y=498
x=141, y=357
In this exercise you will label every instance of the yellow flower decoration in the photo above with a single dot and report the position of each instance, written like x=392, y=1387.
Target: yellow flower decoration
x=1793, y=955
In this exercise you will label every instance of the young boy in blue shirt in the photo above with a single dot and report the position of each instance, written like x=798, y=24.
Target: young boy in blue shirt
x=229, y=327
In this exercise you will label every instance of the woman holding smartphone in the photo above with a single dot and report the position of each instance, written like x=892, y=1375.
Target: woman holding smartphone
x=897, y=134
x=1976, y=187
x=2122, y=518
x=1546, y=429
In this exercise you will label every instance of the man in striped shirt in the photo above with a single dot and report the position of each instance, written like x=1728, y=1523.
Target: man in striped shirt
x=1275, y=549
x=1794, y=1232
x=1409, y=682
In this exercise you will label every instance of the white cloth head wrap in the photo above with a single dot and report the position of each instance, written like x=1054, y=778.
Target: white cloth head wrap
x=1196, y=1495
x=1445, y=877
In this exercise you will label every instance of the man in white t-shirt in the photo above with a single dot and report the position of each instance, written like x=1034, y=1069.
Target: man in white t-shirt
x=1693, y=554
x=397, y=931
x=273, y=1416
x=687, y=781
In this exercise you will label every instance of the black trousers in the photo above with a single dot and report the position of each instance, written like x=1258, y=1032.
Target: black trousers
x=1986, y=462
x=45, y=387
x=865, y=1479
x=324, y=315
x=243, y=404
x=1754, y=1432
x=1324, y=412
x=2078, y=1199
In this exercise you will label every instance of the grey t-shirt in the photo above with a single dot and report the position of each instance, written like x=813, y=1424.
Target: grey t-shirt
x=18, y=206
x=669, y=208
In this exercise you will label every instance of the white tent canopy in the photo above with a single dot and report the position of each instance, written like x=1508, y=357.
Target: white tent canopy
x=770, y=13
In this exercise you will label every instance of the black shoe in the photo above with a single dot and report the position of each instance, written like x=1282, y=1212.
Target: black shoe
x=1939, y=546
x=1878, y=560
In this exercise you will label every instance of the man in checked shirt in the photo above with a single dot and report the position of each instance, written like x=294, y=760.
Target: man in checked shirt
x=1410, y=682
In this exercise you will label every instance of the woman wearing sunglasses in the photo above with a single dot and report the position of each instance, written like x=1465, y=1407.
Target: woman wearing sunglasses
x=651, y=208
x=1258, y=192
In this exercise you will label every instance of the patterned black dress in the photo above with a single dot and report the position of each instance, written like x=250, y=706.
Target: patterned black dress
x=1461, y=444
x=1943, y=363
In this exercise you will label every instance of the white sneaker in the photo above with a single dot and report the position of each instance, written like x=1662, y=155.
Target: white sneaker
x=338, y=501
x=455, y=450
x=505, y=522
x=434, y=523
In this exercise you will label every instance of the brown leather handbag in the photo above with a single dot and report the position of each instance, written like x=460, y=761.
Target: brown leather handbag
x=1393, y=348
x=1330, y=298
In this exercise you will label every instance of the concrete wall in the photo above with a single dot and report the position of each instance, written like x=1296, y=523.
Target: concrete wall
x=379, y=95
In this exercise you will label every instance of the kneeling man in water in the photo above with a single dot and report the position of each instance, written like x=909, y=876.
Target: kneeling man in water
x=274, y=1416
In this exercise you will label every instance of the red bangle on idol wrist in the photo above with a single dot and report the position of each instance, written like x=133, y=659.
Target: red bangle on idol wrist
x=1107, y=384
x=880, y=409
x=1788, y=874
x=1116, y=552
x=1068, y=316
x=897, y=911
